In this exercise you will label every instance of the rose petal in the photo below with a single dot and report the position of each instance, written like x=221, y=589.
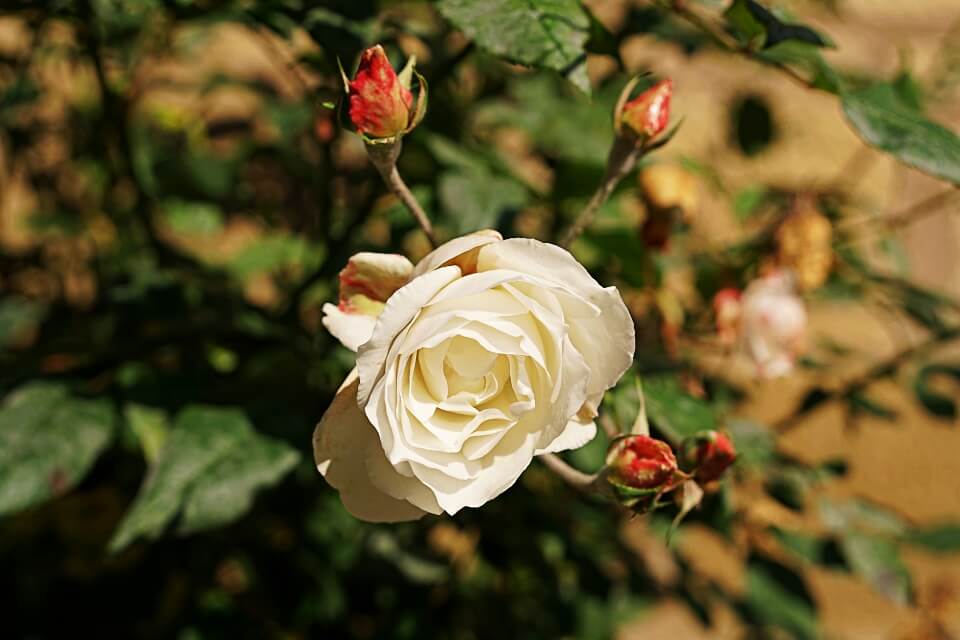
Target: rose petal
x=351, y=329
x=454, y=249
x=341, y=442
x=575, y=435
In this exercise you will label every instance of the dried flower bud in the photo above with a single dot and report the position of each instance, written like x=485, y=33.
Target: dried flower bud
x=727, y=310
x=381, y=104
x=804, y=245
x=647, y=115
x=641, y=462
x=707, y=455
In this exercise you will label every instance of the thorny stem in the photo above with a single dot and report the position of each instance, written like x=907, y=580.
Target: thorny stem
x=384, y=158
x=623, y=157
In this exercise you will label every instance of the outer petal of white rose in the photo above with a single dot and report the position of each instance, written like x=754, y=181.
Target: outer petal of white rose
x=351, y=329
x=575, y=435
x=341, y=442
x=401, y=308
x=540, y=259
x=456, y=247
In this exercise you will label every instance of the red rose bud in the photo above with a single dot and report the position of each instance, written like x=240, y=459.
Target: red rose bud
x=708, y=455
x=641, y=462
x=380, y=106
x=647, y=114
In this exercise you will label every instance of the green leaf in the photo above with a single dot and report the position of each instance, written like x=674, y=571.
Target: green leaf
x=937, y=403
x=150, y=426
x=806, y=547
x=942, y=538
x=676, y=414
x=756, y=26
x=477, y=200
x=755, y=444
x=883, y=119
x=193, y=218
x=859, y=515
x=211, y=465
x=776, y=595
x=271, y=253
x=878, y=562
x=49, y=440
x=18, y=317
x=549, y=34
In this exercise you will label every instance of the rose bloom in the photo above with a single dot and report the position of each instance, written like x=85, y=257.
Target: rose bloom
x=773, y=324
x=487, y=353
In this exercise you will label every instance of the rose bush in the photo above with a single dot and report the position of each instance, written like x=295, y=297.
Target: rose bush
x=487, y=353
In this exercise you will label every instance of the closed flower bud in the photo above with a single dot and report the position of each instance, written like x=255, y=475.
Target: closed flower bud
x=707, y=455
x=381, y=104
x=641, y=462
x=646, y=116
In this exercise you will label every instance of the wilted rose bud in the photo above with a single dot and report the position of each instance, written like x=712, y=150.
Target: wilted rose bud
x=773, y=324
x=727, y=310
x=647, y=115
x=804, y=244
x=707, y=455
x=381, y=104
x=641, y=462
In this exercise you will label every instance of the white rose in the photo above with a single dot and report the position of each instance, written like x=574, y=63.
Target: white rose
x=492, y=352
x=773, y=324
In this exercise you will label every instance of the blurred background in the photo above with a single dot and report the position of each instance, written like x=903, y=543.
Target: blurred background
x=177, y=198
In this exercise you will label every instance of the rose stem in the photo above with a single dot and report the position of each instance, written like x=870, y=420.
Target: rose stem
x=577, y=479
x=623, y=157
x=384, y=158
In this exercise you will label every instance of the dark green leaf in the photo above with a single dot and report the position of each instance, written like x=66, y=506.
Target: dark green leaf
x=211, y=465
x=676, y=414
x=937, y=403
x=885, y=121
x=776, y=595
x=878, y=562
x=943, y=538
x=756, y=26
x=48, y=442
x=549, y=34
x=478, y=200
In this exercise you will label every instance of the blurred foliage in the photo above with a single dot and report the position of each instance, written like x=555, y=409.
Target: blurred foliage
x=176, y=200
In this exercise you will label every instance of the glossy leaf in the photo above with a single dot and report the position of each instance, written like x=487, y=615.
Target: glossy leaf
x=676, y=413
x=211, y=465
x=885, y=121
x=549, y=34
x=49, y=440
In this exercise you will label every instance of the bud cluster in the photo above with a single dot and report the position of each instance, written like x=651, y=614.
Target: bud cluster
x=642, y=469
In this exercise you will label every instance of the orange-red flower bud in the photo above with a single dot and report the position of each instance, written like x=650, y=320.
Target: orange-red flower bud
x=641, y=462
x=647, y=114
x=708, y=455
x=380, y=106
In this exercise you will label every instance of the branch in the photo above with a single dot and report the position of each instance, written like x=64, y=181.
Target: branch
x=384, y=158
x=623, y=157
x=880, y=370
